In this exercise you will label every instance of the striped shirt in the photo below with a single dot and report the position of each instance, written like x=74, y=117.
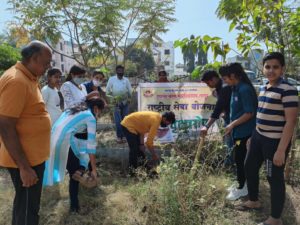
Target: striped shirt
x=272, y=101
x=62, y=137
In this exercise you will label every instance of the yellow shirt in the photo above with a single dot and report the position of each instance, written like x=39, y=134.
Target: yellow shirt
x=142, y=123
x=21, y=98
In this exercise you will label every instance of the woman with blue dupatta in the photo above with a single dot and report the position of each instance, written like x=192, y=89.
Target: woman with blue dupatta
x=79, y=119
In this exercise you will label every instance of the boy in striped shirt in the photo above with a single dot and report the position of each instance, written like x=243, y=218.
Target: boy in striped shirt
x=276, y=119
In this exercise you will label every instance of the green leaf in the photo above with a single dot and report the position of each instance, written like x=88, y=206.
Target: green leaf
x=206, y=38
x=196, y=72
x=232, y=26
x=178, y=43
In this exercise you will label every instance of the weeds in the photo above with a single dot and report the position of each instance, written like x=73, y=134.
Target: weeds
x=180, y=197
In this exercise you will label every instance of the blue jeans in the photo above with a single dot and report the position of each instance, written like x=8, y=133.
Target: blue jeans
x=120, y=112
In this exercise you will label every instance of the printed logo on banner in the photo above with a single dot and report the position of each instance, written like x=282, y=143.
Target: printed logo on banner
x=148, y=93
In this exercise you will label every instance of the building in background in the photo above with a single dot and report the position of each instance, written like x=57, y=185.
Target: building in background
x=252, y=63
x=180, y=70
x=61, y=61
x=163, y=54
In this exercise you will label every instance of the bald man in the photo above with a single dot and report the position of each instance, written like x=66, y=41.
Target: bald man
x=25, y=130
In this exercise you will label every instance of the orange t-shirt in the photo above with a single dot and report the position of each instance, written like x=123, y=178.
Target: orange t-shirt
x=21, y=98
x=142, y=123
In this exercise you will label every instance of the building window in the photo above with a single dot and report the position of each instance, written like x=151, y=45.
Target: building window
x=167, y=63
x=61, y=58
x=167, y=51
x=62, y=68
x=61, y=46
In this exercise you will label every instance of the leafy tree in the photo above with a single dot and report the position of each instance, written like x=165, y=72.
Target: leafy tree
x=205, y=44
x=143, y=60
x=272, y=23
x=189, y=56
x=95, y=27
x=202, y=55
x=8, y=57
x=17, y=36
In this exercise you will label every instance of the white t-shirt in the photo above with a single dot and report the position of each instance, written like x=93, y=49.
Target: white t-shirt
x=52, y=101
x=72, y=94
x=117, y=87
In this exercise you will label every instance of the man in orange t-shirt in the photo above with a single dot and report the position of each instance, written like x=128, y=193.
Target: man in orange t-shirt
x=136, y=125
x=25, y=130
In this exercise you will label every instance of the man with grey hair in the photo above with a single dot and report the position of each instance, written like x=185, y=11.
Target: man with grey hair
x=25, y=130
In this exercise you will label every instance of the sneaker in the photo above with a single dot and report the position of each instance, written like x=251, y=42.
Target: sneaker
x=233, y=186
x=235, y=193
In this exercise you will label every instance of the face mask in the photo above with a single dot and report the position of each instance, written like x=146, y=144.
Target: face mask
x=78, y=80
x=96, y=83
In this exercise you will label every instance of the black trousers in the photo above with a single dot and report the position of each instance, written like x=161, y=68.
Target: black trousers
x=26, y=204
x=73, y=164
x=136, y=156
x=262, y=149
x=240, y=152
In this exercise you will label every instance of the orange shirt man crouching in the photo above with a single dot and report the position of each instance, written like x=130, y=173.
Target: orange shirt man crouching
x=136, y=125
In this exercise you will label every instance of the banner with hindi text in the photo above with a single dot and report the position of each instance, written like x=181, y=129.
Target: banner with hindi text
x=192, y=103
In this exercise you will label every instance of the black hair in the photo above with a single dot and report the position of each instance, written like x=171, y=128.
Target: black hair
x=119, y=67
x=238, y=71
x=75, y=70
x=170, y=116
x=163, y=72
x=274, y=55
x=53, y=71
x=209, y=75
x=95, y=102
x=87, y=104
x=34, y=47
x=98, y=72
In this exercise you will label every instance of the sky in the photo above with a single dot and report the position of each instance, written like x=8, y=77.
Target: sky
x=193, y=17
x=198, y=17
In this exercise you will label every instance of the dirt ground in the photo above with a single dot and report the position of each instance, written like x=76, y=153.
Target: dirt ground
x=112, y=204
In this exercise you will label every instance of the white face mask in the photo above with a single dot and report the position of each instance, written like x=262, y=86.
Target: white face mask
x=96, y=83
x=78, y=80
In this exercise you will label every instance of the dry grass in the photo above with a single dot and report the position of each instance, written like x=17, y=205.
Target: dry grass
x=175, y=198
x=121, y=200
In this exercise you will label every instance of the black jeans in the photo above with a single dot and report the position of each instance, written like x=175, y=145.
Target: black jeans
x=26, y=204
x=240, y=152
x=73, y=164
x=136, y=156
x=263, y=149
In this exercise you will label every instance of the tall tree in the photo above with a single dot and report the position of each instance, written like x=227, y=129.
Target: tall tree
x=143, y=60
x=202, y=55
x=95, y=27
x=189, y=56
x=275, y=24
